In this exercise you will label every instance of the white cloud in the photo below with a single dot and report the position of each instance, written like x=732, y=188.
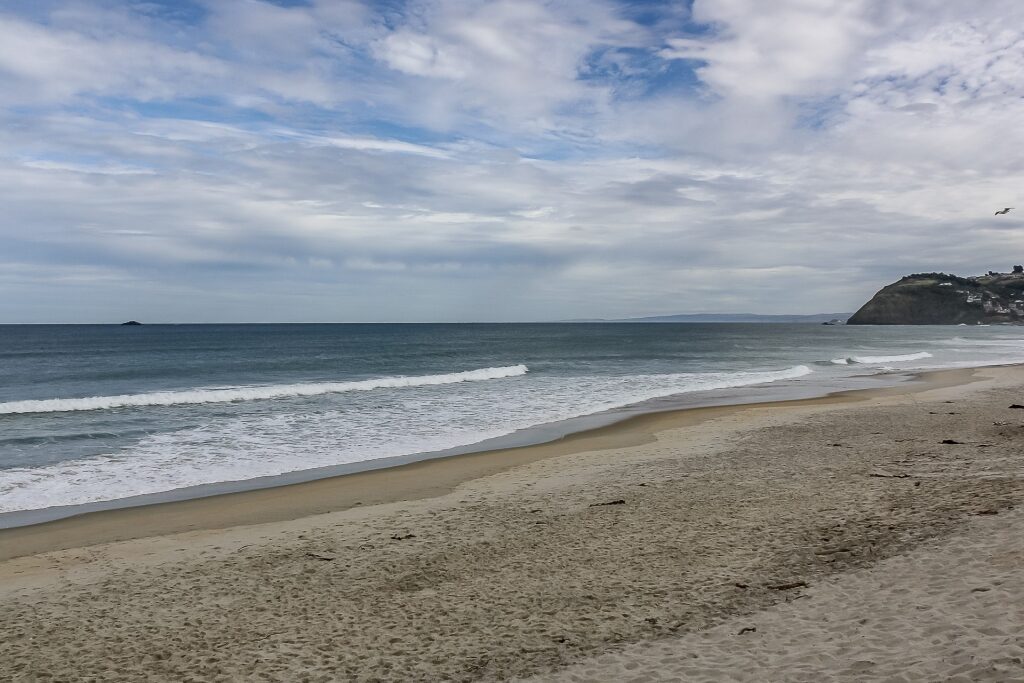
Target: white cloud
x=47, y=64
x=377, y=145
x=103, y=169
x=421, y=55
x=372, y=167
x=511, y=62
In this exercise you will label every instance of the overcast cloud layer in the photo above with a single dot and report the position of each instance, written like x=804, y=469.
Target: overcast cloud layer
x=239, y=160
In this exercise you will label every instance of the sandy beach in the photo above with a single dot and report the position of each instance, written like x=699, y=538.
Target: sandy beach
x=875, y=535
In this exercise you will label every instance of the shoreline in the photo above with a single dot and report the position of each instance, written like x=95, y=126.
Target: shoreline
x=709, y=535
x=419, y=477
x=535, y=435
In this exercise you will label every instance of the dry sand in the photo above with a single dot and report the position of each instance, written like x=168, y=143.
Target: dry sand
x=951, y=610
x=519, y=571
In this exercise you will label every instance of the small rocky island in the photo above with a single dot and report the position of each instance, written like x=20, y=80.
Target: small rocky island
x=131, y=322
x=941, y=299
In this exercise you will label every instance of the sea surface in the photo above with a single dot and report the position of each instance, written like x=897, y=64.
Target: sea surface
x=92, y=413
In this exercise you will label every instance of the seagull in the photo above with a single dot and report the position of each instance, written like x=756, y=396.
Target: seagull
x=1006, y=210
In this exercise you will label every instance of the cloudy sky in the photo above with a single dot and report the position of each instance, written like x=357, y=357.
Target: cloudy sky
x=351, y=160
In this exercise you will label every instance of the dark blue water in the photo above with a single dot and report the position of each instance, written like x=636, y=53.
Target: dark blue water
x=96, y=412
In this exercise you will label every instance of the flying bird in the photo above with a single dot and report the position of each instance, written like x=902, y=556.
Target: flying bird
x=1006, y=210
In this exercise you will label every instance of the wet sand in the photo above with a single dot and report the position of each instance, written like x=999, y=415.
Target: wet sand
x=610, y=555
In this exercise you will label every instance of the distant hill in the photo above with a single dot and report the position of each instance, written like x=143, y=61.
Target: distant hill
x=942, y=299
x=816, y=318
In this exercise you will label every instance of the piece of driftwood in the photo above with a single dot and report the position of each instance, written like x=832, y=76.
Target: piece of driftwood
x=788, y=586
x=323, y=558
x=832, y=551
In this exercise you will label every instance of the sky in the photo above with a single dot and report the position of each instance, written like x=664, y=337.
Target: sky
x=459, y=160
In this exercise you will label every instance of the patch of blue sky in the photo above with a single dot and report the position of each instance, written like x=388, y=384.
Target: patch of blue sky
x=393, y=14
x=192, y=109
x=666, y=18
x=181, y=11
x=641, y=72
x=28, y=9
x=389, y=130
x=356, y=119
x=656, y=12
x=675, y=74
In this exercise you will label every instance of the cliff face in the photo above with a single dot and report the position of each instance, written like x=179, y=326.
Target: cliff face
x=940, y=299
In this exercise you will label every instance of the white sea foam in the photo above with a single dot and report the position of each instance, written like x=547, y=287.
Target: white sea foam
x=984, y=343
x=251, y=393
x=875, y=360
x=368, y=428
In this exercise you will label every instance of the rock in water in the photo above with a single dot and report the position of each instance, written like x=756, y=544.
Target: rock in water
x=941, y=299
x=132, y=322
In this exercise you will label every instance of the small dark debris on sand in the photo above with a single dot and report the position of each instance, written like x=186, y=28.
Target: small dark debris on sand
x=747, y=629
x=322, y=557
x=397, y=537
x=610, y=502
x=888, y=475
x=1017, y=406
x=787, y=586
x=951, y=441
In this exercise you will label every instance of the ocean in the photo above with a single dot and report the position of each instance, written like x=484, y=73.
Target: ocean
x=99, y=415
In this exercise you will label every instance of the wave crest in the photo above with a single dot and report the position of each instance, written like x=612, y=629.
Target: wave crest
x=254, y=393
x=871, y=360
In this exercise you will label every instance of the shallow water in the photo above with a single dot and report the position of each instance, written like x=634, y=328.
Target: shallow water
x=93, y=413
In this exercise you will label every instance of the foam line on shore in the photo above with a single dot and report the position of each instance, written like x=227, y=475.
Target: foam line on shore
x=874, y=360
x=252, y=393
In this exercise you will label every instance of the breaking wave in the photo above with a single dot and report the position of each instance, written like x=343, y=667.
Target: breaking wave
x=253, y=393
x=261, y=444
x=874, y=360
